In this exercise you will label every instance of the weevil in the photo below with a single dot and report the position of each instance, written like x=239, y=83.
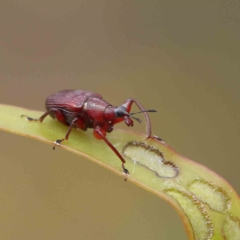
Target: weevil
x=83, y=109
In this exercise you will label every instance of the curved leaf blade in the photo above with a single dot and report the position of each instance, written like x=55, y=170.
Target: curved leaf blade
x=207, y=204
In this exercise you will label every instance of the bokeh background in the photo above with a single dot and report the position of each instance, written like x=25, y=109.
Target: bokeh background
x=180, y=57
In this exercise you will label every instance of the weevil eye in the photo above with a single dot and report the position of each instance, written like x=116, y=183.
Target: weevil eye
x=120, y=112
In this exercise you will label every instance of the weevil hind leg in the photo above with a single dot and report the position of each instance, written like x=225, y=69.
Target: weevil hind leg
x=41, y=118
x=30, y=118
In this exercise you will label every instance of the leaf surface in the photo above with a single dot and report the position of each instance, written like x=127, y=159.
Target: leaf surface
x=208, y=206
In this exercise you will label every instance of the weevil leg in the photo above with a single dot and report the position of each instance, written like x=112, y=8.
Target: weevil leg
x=99, y=132
x=128, y=105
x=59, y=141
x=157, y=138
x=41, y=118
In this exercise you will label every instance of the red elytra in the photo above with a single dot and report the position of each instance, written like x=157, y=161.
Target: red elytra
x=83, y=109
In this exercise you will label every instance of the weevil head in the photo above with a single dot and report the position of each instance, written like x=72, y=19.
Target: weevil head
x=123, y=115
x=123, y=112
x=120, y=112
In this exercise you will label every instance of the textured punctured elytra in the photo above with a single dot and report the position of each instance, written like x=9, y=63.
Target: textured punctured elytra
x=151, y=158
x=195, y=210
x=209, y=193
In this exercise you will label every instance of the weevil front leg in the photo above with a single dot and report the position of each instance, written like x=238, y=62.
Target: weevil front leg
x=59, y=141
x=100, y=134
x=128, y=104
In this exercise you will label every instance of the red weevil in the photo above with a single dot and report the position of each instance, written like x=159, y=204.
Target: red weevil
x=84, y=109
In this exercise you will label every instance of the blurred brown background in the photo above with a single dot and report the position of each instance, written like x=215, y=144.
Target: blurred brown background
x=180, y=57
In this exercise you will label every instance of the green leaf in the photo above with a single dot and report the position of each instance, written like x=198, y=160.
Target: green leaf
x=206, y=203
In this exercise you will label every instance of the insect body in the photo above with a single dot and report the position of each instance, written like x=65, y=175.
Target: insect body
x=84, y=109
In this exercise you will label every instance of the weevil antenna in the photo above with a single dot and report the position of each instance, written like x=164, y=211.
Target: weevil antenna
x=137, y=119
x=149, y=110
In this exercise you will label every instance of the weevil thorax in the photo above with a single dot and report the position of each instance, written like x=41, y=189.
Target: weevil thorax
x=95, y=108
x=109, y=113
